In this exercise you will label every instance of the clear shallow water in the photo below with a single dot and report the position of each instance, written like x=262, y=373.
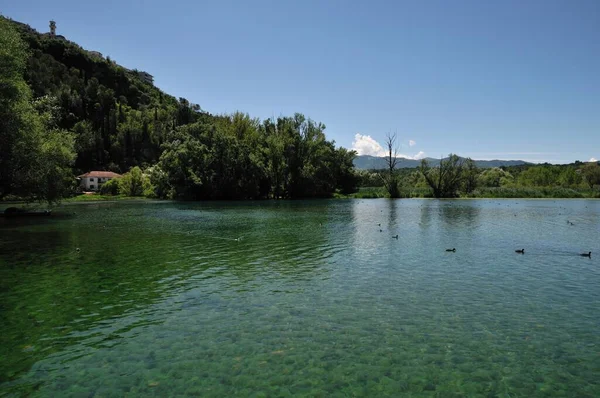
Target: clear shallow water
x=313, y=299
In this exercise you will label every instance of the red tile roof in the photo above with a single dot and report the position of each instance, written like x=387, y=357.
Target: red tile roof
x=100, y=174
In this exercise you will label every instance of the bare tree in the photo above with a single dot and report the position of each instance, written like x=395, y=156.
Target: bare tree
x=390, y=179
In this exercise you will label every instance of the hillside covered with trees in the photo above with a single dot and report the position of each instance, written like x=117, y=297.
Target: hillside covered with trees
x=65, y=110
x=105, y=117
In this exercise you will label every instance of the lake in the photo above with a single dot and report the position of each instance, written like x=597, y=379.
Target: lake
x=310, y=298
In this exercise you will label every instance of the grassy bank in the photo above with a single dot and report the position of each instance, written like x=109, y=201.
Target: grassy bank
x=98, y=197
x=534, y=192
x=364, y=193
x=372, y=193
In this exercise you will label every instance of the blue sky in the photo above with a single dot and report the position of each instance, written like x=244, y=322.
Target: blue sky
x=486, y=79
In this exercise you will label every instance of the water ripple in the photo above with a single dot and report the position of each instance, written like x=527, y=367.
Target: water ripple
x=313, y=298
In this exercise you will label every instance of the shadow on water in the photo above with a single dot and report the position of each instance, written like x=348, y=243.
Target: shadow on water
x=455, y=213
x=19, y=243
x=7, y=223
x=427, y=210
x=392, y=213
x=448, y=220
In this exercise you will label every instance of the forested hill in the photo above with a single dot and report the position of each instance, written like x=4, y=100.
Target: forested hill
x=119, y=119
x=107, y=117
x=366, y=162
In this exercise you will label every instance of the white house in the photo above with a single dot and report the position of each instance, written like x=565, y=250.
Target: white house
x=93, y=180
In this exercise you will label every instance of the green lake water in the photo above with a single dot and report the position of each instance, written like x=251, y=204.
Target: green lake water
x=309, y=298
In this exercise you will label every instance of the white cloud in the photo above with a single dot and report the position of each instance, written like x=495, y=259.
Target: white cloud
x=482, y=154
x=411, y=143
x=593, y=160
x=418, y=156
x=365, y=145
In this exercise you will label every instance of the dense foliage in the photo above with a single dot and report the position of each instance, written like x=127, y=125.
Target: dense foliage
x=460, y=177
x=241, y=158
x=134, y=183
x=446, y=179
x=35, y=153
x=65, y=111
x=119, y=121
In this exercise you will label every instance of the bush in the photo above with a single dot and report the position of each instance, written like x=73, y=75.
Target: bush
x=135, y=183
x=159, y=181
x=111, y=187
x=528, y=192
x=370, y=193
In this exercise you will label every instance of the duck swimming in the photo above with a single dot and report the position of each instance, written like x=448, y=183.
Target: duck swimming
x=395, y=236
x=451, y=250
x=520, y=251
x=589, y=254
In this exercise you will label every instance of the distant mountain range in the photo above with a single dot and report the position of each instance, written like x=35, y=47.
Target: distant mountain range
x=366, y=162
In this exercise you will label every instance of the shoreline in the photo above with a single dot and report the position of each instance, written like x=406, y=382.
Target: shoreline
x=133, y=199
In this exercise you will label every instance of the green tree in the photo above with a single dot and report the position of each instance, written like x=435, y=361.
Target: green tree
x=346, y=177
x=236, y=157
x=35, y=155
x=444, y=180
x=274, y=157
x=591, y=173
x=135, y=183
x=184, y=160
x=494, y=177
x=110, y=187
x=368, y=178
x=471, y=173
x=569, y=177
x=538, y=176
x=160, y=182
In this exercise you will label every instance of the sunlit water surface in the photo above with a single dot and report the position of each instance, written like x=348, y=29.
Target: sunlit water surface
x=305, y=297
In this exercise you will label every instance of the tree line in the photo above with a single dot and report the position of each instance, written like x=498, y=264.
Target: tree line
x=460, y=177
x=243, y=158
x=65, y=111
x=35, y=152
x=88, y=113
